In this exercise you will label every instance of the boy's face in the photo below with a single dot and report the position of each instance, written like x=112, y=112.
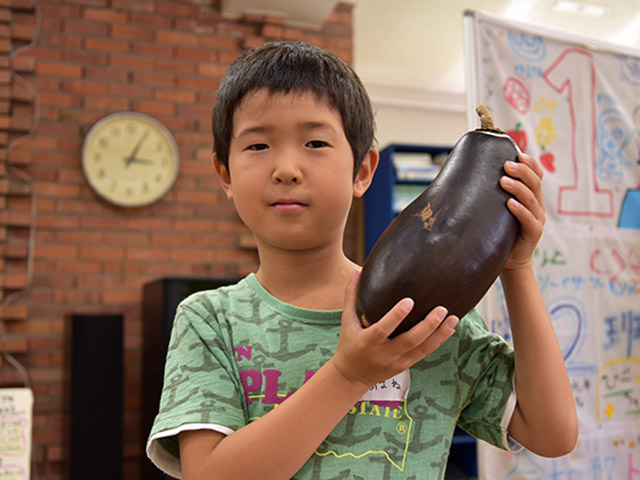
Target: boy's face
x=291, y=170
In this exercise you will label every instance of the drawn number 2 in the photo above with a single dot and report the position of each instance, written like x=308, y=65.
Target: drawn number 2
x=569, y=319
x=575, y=71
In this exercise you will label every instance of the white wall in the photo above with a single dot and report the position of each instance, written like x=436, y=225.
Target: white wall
x=405, y=115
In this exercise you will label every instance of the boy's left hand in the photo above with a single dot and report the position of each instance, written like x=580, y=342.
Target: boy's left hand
x=525, y=184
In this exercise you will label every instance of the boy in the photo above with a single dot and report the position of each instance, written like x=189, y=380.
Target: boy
x=293, y=131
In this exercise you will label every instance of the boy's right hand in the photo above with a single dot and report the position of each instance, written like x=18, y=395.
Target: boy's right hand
x=366, y=356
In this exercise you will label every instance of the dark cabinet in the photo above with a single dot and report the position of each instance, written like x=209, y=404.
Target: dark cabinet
x=160, y=300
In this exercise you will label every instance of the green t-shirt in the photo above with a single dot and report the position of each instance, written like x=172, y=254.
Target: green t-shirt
x=237, y=352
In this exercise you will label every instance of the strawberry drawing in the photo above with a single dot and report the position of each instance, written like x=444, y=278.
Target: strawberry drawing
x=547, y=160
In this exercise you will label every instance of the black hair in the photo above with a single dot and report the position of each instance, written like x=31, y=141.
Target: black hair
x=295, y=67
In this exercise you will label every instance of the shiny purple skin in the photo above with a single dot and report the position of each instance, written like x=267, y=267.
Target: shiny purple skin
x=450, y=244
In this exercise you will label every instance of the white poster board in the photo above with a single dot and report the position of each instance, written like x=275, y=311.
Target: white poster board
x=575, y=106
x=16, y=408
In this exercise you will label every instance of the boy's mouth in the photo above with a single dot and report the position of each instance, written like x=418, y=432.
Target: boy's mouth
x=288, y=206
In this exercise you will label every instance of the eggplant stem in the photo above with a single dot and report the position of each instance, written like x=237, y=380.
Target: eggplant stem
x=486, y=120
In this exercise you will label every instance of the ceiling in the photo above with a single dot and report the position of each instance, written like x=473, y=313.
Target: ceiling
x=418, y=44
x=414, y=48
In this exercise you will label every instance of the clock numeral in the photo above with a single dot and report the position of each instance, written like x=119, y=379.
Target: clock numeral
x=131, y=128
x=158, y=178
x=113, y=186
x=129, y=192
x=159, y=147
x=97, y=157
x=102, y=173
x=145, y=187
x=164, y=162
x=103, y=142
x=115, y=131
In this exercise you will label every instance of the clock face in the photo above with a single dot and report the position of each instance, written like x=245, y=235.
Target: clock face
x=130, y=159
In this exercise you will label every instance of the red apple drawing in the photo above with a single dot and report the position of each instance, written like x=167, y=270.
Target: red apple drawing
x=519, y=136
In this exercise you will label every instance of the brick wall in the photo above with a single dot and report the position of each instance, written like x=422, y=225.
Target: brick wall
x=92, y=58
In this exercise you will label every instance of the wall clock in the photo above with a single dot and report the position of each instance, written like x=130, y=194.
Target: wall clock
x=130, y=159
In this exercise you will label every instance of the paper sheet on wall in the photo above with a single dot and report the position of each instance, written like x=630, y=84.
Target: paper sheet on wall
x=16, y=407
x=576, y=108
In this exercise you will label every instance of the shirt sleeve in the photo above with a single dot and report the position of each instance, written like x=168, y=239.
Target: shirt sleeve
x=201, y=387
x=487, y=366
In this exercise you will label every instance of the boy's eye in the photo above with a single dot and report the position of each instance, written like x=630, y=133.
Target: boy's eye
x=317, y=144
x=258, y=146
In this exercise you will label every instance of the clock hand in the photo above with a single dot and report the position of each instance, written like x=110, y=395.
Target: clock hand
x=132, y=156
x=146, y=161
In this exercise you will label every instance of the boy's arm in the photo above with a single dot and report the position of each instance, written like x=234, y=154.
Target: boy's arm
x=545, y=419
x=278, y=444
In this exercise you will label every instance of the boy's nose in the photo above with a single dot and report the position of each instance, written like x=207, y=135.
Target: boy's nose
x=286, y=170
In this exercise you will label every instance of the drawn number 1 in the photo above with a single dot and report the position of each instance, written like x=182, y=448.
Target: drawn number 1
x=575, y=71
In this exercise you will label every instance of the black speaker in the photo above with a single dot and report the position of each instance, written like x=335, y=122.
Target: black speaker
x=95, y=436
x=160, y=300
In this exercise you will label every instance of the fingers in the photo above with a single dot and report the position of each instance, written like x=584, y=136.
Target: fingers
x=426, y=336
x=384, y=327
x=351, y=291
x=525, y=184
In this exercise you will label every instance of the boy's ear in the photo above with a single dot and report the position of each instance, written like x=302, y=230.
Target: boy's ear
x=365, y=174
x=223, y=176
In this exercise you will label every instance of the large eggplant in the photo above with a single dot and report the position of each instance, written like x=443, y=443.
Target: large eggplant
x=449, y=245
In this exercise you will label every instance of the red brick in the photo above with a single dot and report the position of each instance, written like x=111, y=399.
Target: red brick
x=56, y=251
x=59, y=69
x=193, y=255
x=151, y=20
x=131, y=32
x=195, y=225
x=13, y=312
x=147, y=254
x=86, y=27
x=86, y=87
x=131, y=90
x=219, y=42
x=198, y=83
x=154, y=50
x=14, y=345
x=22, y=32
x=212, y=69
x=107, y=45
x=174, y=95
x=86, y=57
x=94, y=3
x=176, y=9
x=55, y=190
x=125, y=296
x=173, y=239
x=200, y=54
x=58, y=222
x=147, y=224
x=154, y=78
x=102, y=252
x=134, y=5
x=107, y=104
x=56, y=10
x=154, y=108
x=24, y=63
x=107, y=74
x=174, y=66
x=132, y=61
x=105, y=15
x=177, y=38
